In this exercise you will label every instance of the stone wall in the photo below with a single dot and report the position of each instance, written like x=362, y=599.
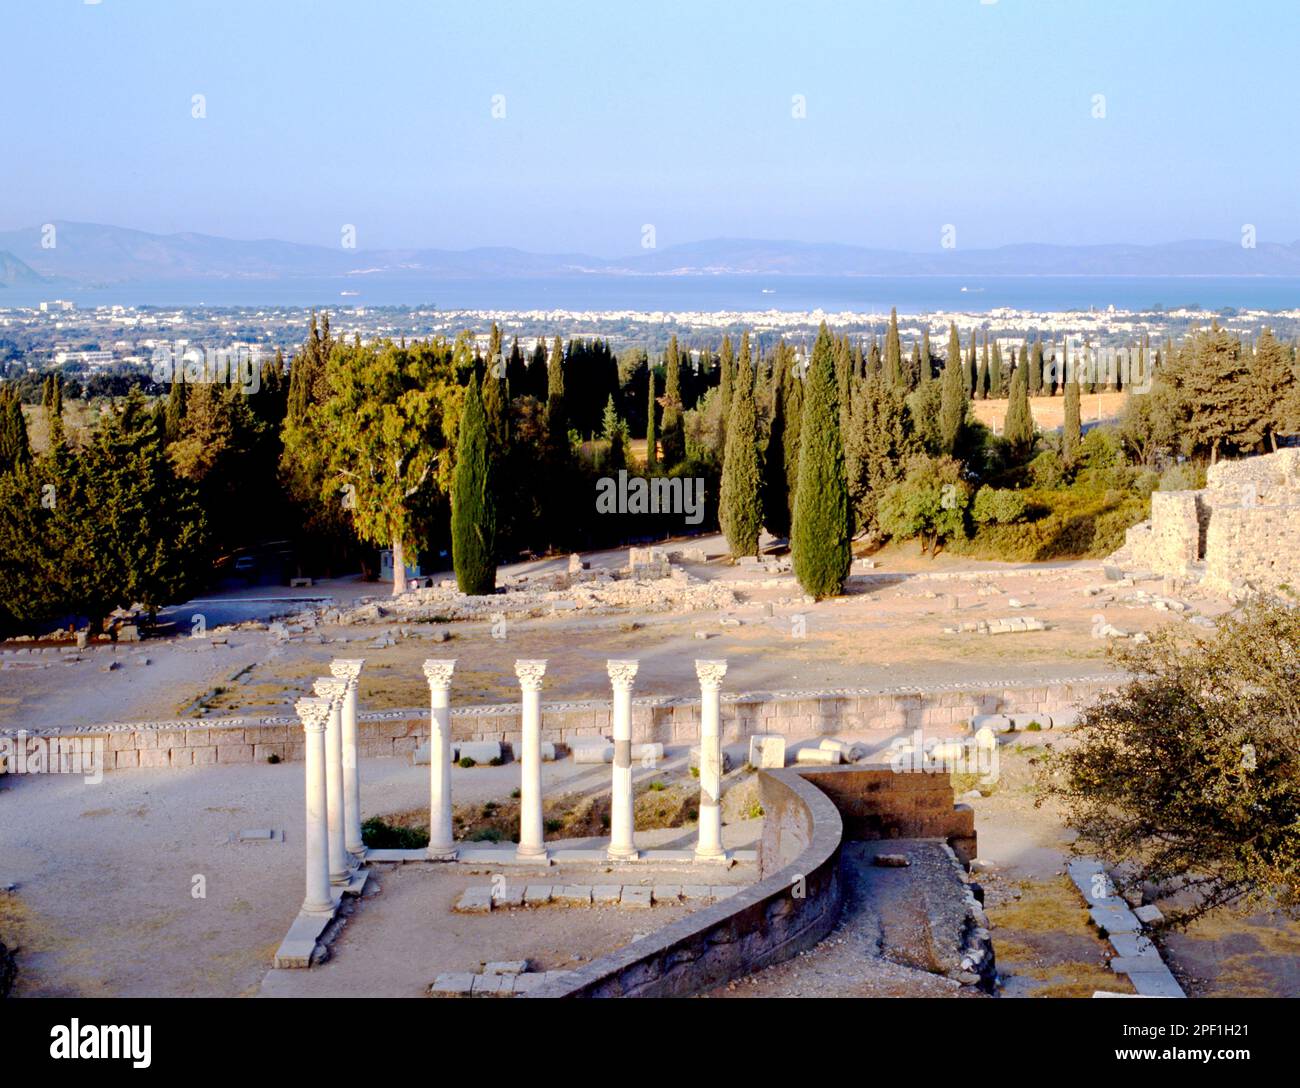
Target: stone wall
x=807, y=816
x=1237, y=534
x=793, y=906
x=941, y=712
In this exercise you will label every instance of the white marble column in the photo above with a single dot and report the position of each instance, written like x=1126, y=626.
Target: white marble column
x=531, y=845
x=442, y=846
x=710, y=844
x=347, y=670
x=314, y=713
x=340, y=861
x=621, y=820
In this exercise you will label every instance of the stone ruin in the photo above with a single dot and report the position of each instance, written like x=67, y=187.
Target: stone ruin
x=1240, y=533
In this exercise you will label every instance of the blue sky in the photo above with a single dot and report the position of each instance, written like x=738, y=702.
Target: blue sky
x=919, y=113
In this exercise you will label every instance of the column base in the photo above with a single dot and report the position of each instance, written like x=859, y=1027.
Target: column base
x=622, y=853
x=317, y=908
x=358, y=852
x=341, y=880
x=710, y=854
x=537, y=854
x=442, y=853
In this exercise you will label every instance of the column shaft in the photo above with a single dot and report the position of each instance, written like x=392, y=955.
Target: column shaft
x=317, y=899
x=622, y=820
x=531, y=839
x=710, y=841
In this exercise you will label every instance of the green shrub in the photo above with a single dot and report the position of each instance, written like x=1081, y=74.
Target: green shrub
x=466, y=761
x=1070, y=523
x=1046, y=471
x=1187, y=476
x=998, y=506
x=378, y=834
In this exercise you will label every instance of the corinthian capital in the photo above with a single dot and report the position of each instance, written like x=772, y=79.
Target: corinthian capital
x=329, y=688
x=530, y=674
x=347, y=669
x=312, y=713
x=438, y=672
x=622, y=673
x=710, y=673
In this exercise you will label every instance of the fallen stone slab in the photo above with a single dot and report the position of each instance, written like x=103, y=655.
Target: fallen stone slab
x=505, y=967
x=593, y=753
x=512, y=895
x=666, y=893
x=1148, y=915
x=850, y=751
x=1133, y=945
x=820, y=756
x=1152, y=980
x=998, y=723
x=696, y=891
x=493, y=985
x=474, y=901
x=574, y=895
x=767, y=750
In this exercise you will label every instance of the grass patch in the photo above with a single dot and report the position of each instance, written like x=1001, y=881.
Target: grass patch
x=380, y=834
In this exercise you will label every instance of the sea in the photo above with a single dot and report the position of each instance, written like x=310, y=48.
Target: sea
x=702, y=293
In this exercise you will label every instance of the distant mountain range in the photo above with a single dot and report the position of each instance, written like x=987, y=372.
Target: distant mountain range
x=89, y=255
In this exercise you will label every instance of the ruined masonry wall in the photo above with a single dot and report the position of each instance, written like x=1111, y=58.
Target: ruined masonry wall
x=937, y=712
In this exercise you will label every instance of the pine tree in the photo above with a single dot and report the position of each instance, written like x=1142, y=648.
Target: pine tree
x=740, y=509
x=1071, y=433
x=473, y=505
x=820, y=537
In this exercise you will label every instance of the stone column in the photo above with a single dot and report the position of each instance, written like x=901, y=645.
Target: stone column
x=442, y=846
x=710, y=844
x=531, y=845
x=340, y=861
x=347, y=670
x=314, y=713
x=621, y=820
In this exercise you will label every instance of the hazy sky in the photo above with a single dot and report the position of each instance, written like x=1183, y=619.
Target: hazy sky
x=919, y=113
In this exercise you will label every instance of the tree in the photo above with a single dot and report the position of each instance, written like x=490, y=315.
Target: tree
x=995, y=373
x=389, y=423
x=651, y=439
x=982, y=378
x=879, y=441
x=893, y=352
x=1212, y=377
x=1072, y=432
x=1189, y=773
x=674, y=434
x=740, y=509
x=494, y=398
x=1272, y=381
x=776, y=482
x=15, y=451
x=557, y=416
x=822, y=521
x=1018, y=430
x=473, y=504
x=952, y=405
x=929, y=502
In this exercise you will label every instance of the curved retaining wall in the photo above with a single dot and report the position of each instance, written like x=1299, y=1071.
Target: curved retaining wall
x=758, y=926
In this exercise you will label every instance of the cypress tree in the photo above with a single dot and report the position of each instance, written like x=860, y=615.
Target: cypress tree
x=982, y=378
x=557, y=423
x=494, y=402
x=15, y=450
x=473, y=507
x=740, y=508
x=651, y=438
x=952, y=404
x=893, y=353
x=995, y=373
x=776, y=482
x=1036, y=369
x=728, y=365
x=1019, y=427
x=792, y=387
x=674, y=435
x=1072, y=432
x=536, y=380
x=820, y=537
